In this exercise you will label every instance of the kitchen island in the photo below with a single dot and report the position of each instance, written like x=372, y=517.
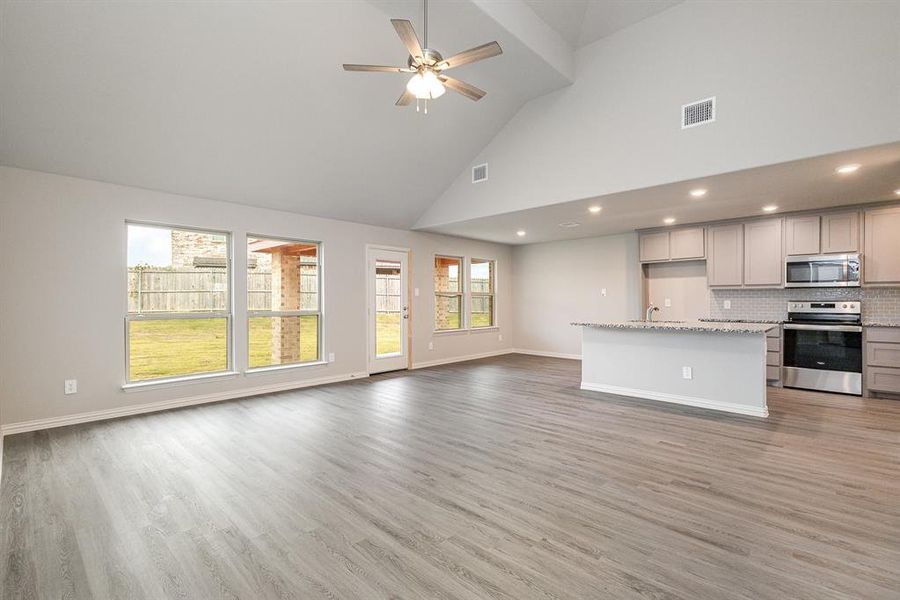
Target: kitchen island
x=708, y=364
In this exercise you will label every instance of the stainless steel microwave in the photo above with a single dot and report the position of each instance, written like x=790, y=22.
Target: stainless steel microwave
x=822, y=270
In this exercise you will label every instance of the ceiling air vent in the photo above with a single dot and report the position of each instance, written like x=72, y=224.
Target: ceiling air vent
x=479, y=173
x=698, y=113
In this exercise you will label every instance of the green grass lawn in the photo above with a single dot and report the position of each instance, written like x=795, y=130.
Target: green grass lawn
x=176, y=347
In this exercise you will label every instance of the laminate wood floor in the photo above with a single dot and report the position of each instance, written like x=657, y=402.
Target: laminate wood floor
x=489, y=479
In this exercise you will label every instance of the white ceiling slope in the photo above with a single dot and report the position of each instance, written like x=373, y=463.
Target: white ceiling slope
x=582, y=22
x=793, y=80
x=247, y=101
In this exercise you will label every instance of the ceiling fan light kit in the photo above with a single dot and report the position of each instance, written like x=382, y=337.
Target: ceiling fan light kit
x=428, y=81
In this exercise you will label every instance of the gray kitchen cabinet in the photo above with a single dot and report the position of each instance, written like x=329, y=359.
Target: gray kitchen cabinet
x=801, y=235
x=763, y=262
x=882, y=370
x=840, y=232
x=725, y=255
x=882, y=245
x=687, y=243
x=654, y=246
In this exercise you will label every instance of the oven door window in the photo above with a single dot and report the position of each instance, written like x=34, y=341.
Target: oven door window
x=823, y=350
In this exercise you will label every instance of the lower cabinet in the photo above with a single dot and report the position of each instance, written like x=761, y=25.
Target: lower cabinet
x=882, y=357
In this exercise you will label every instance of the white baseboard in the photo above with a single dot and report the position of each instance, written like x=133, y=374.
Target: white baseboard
x=677, y=399
x=547, y=354
x=137, y=409
x=456, y=359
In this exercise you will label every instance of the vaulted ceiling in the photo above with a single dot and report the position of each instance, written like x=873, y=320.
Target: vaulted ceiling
x=247, y=102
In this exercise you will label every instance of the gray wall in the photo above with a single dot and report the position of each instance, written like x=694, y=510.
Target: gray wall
x=793, y=79
x=63, y=302
x=557, y=283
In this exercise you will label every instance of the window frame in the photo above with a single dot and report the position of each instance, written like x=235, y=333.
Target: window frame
x=227, y=314
x=320, y=304
x=492, y=294
x=461, y=294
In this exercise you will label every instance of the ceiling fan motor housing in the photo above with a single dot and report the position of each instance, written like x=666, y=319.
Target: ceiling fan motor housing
x=432, y=57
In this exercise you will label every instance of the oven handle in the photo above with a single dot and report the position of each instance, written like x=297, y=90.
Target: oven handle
x=850, y=328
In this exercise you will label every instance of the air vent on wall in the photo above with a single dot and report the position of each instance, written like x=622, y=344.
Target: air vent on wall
x=479, y=173
x=698, y=113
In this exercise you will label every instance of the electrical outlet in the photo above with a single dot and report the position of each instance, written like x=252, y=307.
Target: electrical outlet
x=499, y=337
x=331, y=357
x=71, y=386
x=727, y=305
x=431, y=345
x=416, y=292
x=603, y=292
x=668, y=303
x=687, y=373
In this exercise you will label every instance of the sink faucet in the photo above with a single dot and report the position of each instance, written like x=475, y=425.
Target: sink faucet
x=650, y=310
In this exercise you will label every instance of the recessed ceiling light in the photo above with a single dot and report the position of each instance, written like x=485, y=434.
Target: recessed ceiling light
x=847, y=169
x=520, y=232
x=569, y=224
x=698, y=193
x=770, y=208
x=595, y=209
x=669, y=220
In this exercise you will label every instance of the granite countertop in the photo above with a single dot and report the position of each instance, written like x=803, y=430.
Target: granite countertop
x=881, y=323
x=771, y=321
x=684, y=326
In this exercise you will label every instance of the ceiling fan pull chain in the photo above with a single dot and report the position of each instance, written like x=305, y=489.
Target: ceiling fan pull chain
x=425, y=19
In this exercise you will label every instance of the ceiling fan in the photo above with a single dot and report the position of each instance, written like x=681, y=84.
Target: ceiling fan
x=428, y=66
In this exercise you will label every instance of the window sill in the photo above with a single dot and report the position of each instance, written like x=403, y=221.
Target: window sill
x=441, y=332
x=276, y=368
x=176, y=381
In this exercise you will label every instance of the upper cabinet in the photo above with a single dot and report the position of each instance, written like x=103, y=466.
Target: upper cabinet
x=725, y=255
x=801, y=235
x=830, y=233
x=840, y=232
x=655, y=246
x=677, y=244
x=685, y=244
x=882, y=241
x=763, y=258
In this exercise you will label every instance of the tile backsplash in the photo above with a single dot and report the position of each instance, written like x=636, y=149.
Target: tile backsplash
x=878, y=304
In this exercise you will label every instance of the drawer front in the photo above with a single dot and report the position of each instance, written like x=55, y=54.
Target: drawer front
x=882, y=379
x=879, y=354
x=883, y=334
x=773, y=344
x=773, y=359
x=773, y=372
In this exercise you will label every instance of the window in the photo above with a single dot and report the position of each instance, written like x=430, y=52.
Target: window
x=179, y=305
x=283, y=302
x=448, y=293
x=481, y=286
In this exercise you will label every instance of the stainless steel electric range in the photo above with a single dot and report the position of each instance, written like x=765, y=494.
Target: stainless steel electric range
x=823, y=347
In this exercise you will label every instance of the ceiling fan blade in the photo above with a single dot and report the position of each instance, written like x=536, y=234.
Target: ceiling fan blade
x=409, y=38
x=378, y=69
x=405, y=98
x=472, y=55
x=461, y=87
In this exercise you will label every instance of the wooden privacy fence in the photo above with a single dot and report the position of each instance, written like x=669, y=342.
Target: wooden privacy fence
x=151, y=290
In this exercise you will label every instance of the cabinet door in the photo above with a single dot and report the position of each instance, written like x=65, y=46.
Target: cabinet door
x=801, y=235
x=882, y=255
x=654, y=246
x=725, y=255
x=763, y=262
x=686, y=243
x=840, y=232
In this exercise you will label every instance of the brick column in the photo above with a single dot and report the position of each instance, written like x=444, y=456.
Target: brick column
x=285, y=296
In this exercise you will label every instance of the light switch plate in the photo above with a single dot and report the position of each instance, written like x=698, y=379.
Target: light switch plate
x=727, y=305
x=603, y=292
x=431, y=345
x=71, y=386
x=668, y=302
x=416, y=292
x=687, y=373
x=331, y=357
